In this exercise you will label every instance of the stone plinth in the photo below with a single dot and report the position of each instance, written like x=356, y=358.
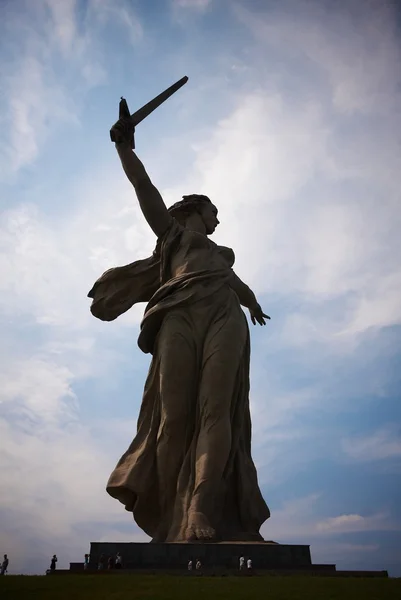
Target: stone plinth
x=264, y=555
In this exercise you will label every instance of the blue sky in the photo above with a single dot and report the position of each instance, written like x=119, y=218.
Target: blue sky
x=290, y=122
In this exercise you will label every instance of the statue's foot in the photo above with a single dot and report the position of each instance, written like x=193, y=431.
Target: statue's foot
x=199, y=528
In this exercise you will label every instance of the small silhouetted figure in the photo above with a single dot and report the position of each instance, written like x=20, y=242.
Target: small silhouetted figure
x=86, y=562
x=190, y=565
x=119, y=561
x=111, y=562
x=102, y=562
x=53, y=563
x=4, y=565
x=241, y=563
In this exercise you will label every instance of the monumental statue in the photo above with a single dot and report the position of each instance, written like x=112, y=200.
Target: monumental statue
x=188, y=475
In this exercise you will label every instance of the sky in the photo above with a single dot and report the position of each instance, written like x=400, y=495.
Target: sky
x=290, y=122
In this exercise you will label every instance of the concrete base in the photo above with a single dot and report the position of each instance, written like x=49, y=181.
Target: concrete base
x=264, y=555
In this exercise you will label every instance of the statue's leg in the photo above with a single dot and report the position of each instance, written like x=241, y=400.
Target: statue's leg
x=178, y=379
x=223, y=353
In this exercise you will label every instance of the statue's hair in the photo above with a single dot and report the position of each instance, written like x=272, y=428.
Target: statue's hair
x=188, y=205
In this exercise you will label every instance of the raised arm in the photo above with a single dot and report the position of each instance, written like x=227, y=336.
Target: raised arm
x=152, y=205
x=248, y=299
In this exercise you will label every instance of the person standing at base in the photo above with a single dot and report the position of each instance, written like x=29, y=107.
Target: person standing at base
x=4, y=565
x=249, y=566
x=86, y=562
x=119, y=561
x=53, y=563
x=241, y=563
x=190, y=565
x=198, y=565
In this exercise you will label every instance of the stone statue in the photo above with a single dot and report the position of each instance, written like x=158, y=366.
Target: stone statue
x=188, y=475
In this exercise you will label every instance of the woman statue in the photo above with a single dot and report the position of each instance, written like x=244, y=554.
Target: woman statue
x=188, y=474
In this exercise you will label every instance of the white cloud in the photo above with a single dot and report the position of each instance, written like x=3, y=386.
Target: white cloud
x=297, y=519
x=340, y=522
x=107, y=11
x=38, y=390
x=311, y=211
x=321, y=245
x=255, y=205
x=49, y=266
x=34, y=102
x=380, y=307
x=64, y=28
x=54, y=468
x=353, y=522
x=355, y=45
x=381, y=445
x=199, y=5
x=349, y=540
x=48, y=73
x=341, y=240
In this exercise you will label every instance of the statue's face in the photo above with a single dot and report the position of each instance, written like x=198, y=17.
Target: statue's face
x=209, y=217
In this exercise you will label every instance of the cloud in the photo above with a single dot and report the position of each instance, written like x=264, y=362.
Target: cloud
x=317, y=245
x=197, y=5
x=301, y=518
x=36, y=251
x=54, y=468
x=351, y=541
x=123, y=14
x=47, y=74
x=364, y=80
x=23, y=385
x=33, y=103
x=325, y=246
x=64, y=29
x=303, y=165
x=382, y=444
x=354, y=522
x=335, y=243
x=255, y=205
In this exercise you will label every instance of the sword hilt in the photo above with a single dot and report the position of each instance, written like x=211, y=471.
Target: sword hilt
x=148, y=108
x=124, y=113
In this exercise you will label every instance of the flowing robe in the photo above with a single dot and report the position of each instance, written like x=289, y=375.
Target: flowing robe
x=198, y=336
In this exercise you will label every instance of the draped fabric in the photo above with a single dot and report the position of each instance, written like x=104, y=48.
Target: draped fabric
x=198, y=383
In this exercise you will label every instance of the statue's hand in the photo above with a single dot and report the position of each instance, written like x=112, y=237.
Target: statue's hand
x=122, y=131
x=257, y=315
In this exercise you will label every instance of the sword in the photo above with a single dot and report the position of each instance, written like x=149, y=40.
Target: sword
x=143, y=112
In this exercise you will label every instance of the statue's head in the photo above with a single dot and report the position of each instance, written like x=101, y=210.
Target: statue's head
x=198, y=204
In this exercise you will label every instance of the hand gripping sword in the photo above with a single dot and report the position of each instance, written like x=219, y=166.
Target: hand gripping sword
x=143, y=112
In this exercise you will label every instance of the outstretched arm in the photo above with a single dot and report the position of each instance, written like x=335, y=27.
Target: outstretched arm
x=152, y=205
x=248, y=299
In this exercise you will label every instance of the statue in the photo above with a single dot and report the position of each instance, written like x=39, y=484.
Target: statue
x=188, y=475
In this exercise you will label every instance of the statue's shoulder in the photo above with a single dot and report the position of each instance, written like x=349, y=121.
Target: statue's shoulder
x=227, y=254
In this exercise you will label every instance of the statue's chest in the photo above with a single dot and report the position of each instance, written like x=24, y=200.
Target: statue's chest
x=196, y=252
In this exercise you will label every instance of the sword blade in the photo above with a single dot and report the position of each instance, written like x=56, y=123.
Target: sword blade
x=148, y=108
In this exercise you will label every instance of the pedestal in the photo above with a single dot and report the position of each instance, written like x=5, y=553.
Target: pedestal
x=143, y=556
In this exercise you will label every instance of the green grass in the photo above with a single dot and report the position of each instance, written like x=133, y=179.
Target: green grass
x=148, y=587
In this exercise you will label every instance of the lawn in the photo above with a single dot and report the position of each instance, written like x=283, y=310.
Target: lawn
x=153, y=587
